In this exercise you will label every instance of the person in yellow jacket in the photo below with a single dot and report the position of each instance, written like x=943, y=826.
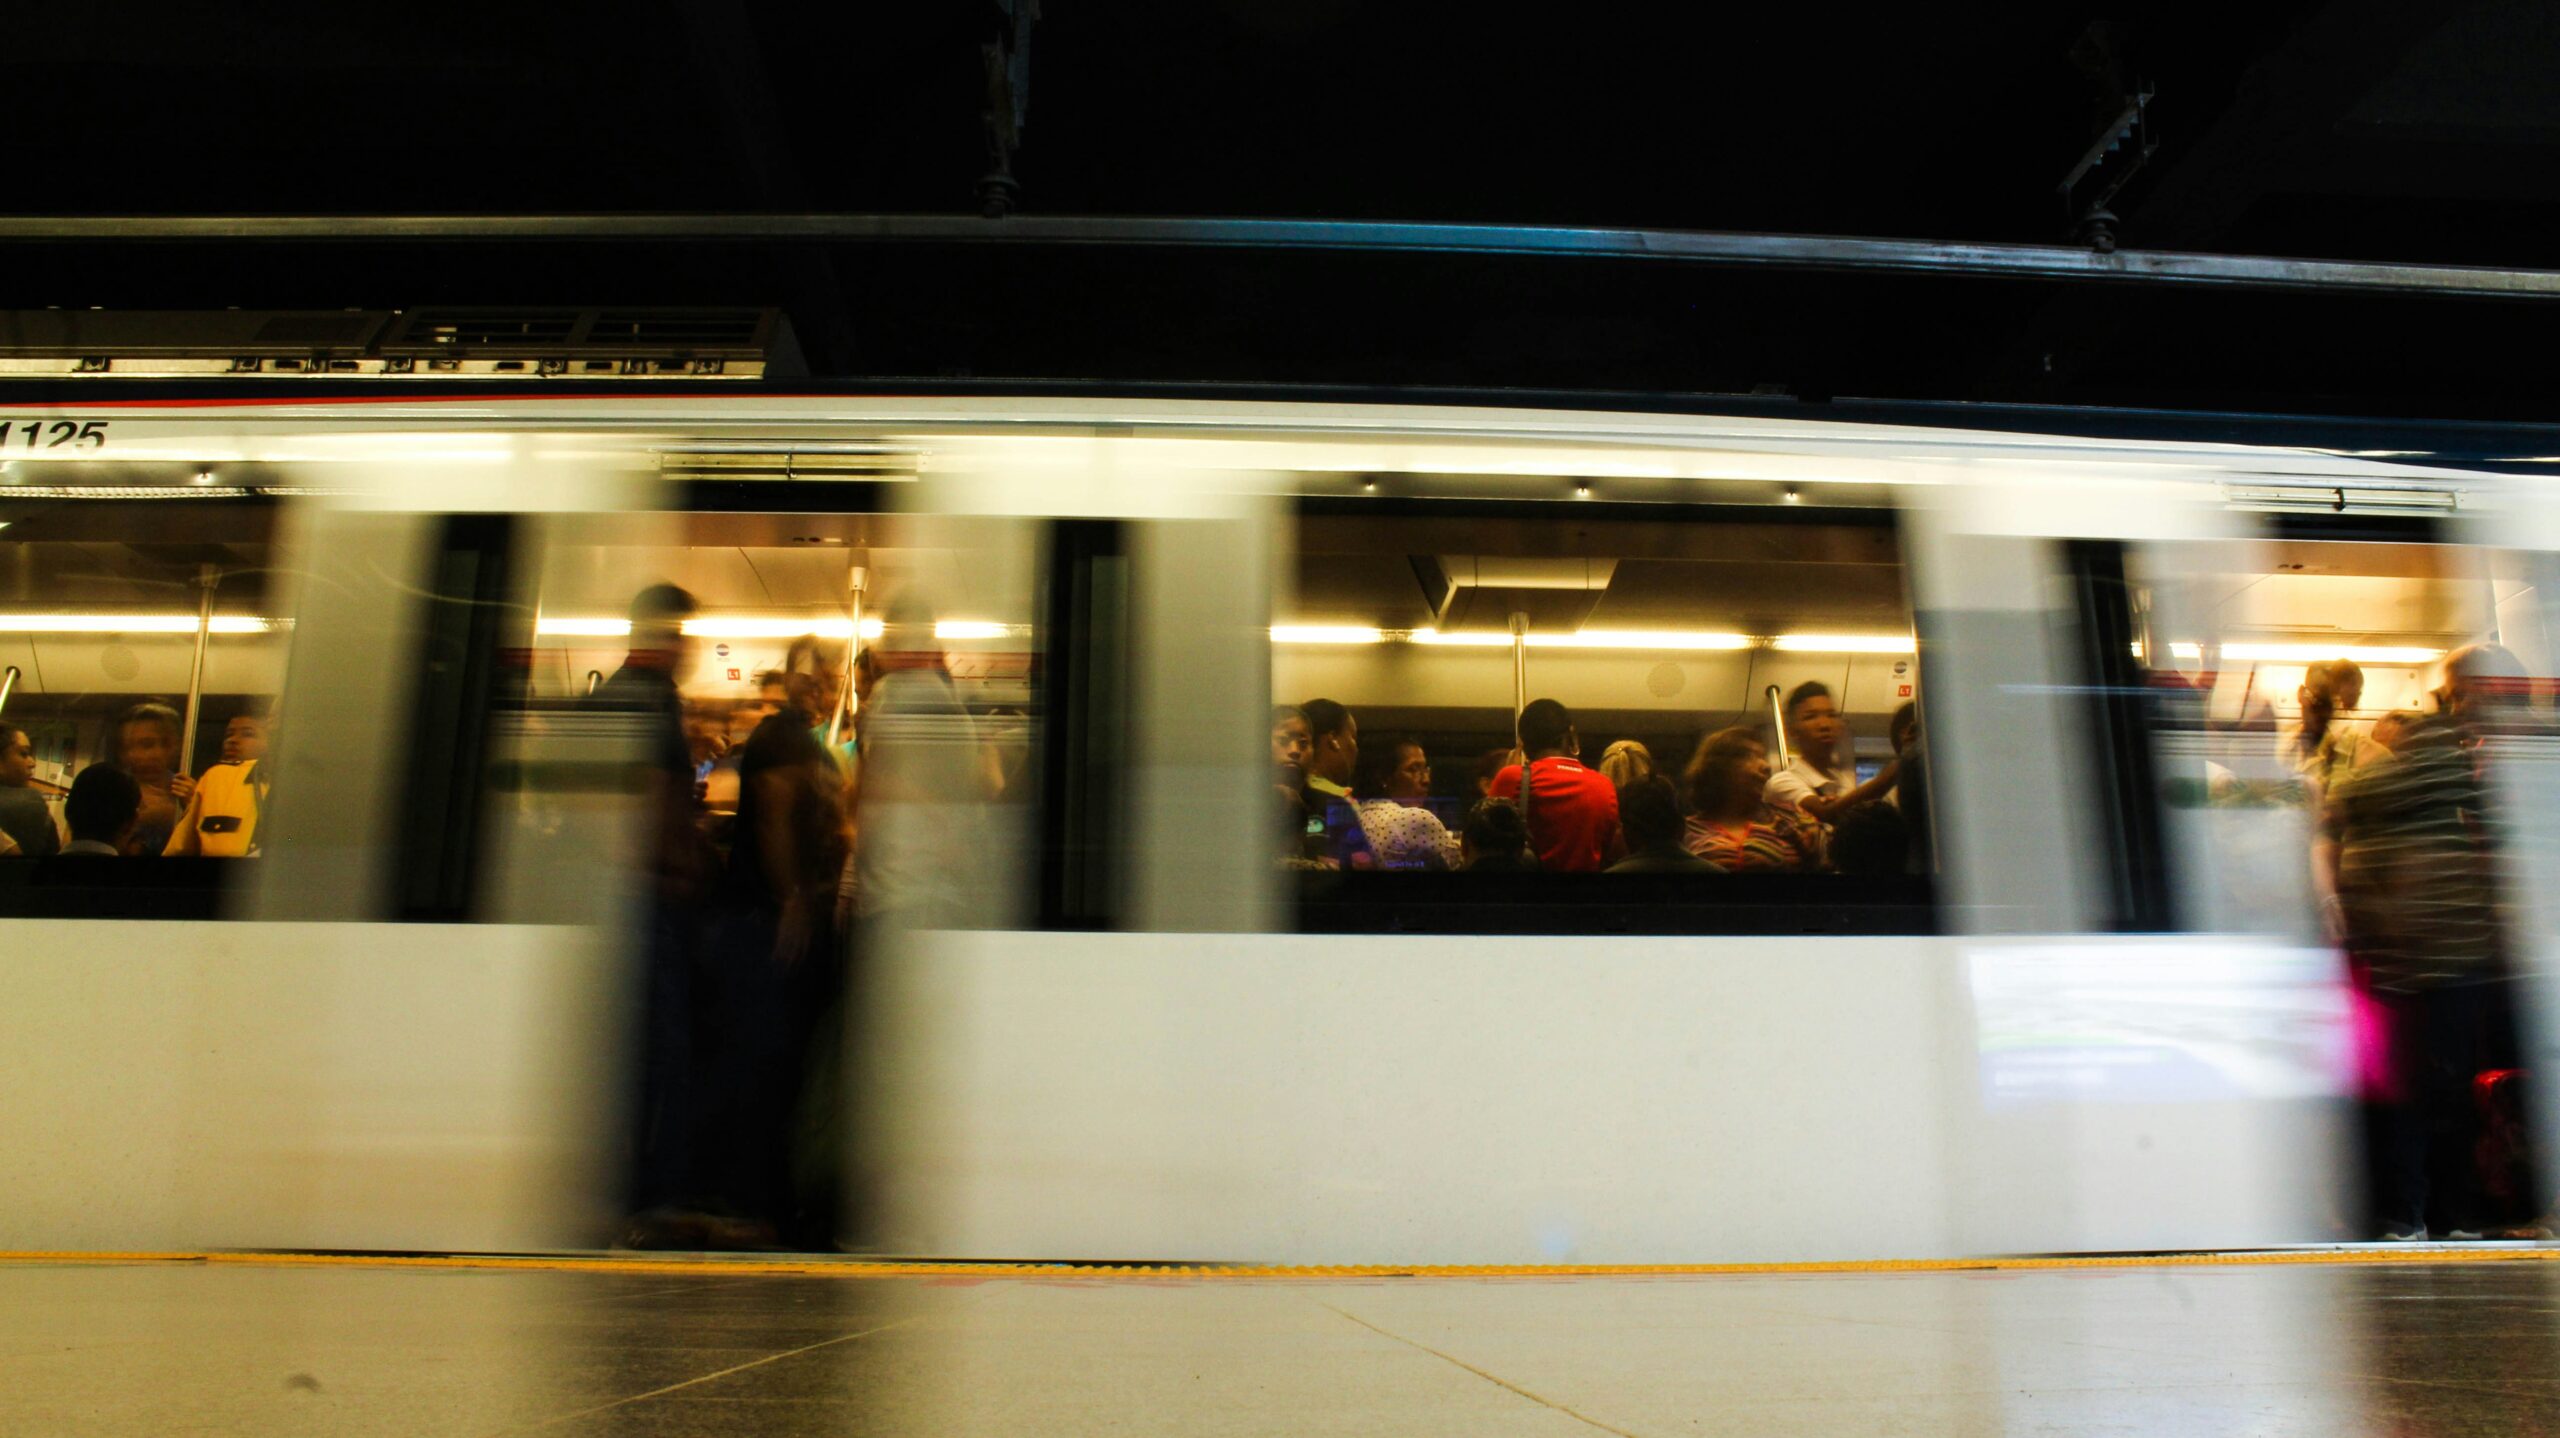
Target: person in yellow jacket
x=221, y=820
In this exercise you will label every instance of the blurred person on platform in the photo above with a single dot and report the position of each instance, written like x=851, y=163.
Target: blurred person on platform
x=2424, y=924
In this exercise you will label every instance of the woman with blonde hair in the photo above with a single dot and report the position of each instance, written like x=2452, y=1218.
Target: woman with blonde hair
x=1730, y=825
x=1625, y=762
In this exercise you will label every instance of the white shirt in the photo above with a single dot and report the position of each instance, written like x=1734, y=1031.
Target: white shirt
x=1800, y=781
x=1405, y=837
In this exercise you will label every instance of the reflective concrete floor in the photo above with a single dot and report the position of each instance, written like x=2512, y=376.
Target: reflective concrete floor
x=2405, y=1349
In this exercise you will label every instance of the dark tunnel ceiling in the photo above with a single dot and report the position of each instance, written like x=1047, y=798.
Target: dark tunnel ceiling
x=2352, y=131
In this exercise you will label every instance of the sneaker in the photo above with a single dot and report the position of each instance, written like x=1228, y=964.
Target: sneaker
x=2404, y=1233
x=2462, y=1235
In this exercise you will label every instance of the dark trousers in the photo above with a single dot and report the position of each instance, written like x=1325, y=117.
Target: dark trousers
x=2429, y=1138
x=765, y=1016
x=669, y=1114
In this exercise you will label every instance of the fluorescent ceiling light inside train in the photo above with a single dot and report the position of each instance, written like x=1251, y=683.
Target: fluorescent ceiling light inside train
x=769, y=627
x=2310, y=653
x=1631, y=639
x=133, y=624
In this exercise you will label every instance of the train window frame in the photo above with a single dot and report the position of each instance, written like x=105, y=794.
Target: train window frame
x=1346, y=903
x=186, y=888
x=2126, y=713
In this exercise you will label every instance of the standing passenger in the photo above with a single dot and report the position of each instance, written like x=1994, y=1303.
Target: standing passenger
x=2418, y=887
x=1291, y=744
x=1494, y=839
x=104, y=806
x=1573, y=812
x=23, y=815
x=1732, y=824
x=1394, y=778
x=2318, y=749
x=1333, y=757
x=1814, y=781
x=1625, y=762
x=221, y=820
x=147, y=749
x=1651, y=814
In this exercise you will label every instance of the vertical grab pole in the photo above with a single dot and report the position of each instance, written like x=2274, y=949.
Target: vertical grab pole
x=206, y=578
x=1778, y=717
x=8, y=681
x=1519, y=676
x=855, y=584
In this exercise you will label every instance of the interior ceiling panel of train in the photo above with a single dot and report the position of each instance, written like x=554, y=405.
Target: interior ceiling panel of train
x=1766, y=579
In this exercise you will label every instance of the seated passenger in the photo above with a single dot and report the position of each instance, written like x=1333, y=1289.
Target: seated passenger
x=1731, y=824
x=103, y=810
x=221, y=820
x=1572, y=811
x=1494, y=839
x=1871, y=840
x=147, y=748
x=1388, y=787
x=24, y=819
x=1651, y=816
x=1625, y=762
x=1816, y=780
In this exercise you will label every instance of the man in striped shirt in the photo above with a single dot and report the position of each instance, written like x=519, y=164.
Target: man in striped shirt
x=2419, y=897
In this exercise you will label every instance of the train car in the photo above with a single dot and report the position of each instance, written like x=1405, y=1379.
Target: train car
x=1111, y=997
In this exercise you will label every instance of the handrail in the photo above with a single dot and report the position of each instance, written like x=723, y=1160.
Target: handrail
x=1715, y=247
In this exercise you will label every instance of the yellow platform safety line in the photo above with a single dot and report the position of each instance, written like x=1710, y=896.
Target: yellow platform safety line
x=829, y=1267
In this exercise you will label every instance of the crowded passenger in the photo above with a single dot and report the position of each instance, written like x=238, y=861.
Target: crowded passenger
x=1489, y=766
x=2425, y=928
x=1732, y=825
x=1815, y=780
x=1625, y=762
x=927, y=778
x=1389, y=784
x=1333, y=750
x=1572, y=812
x=2319, y=747
x=147, y=744
x=221, y=817
x=1870, y=841
x=1291, y=745
x=1649, y=813
x=24, y=818
x=102, y=811
x=1495, y=840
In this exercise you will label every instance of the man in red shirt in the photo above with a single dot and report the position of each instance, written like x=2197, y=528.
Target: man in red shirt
x=1573, y=811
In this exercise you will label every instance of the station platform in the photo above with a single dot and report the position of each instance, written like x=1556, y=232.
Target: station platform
x=2400, y=1342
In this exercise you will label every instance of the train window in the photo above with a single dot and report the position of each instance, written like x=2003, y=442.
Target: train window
x=140, y=663
x=1720, y=712
x=2293, y=685
x=833, y=718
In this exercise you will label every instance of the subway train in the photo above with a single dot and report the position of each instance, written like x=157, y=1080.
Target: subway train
x=2095, y=1010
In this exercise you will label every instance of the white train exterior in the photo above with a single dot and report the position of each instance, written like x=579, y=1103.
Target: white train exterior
x=1200, y=1084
